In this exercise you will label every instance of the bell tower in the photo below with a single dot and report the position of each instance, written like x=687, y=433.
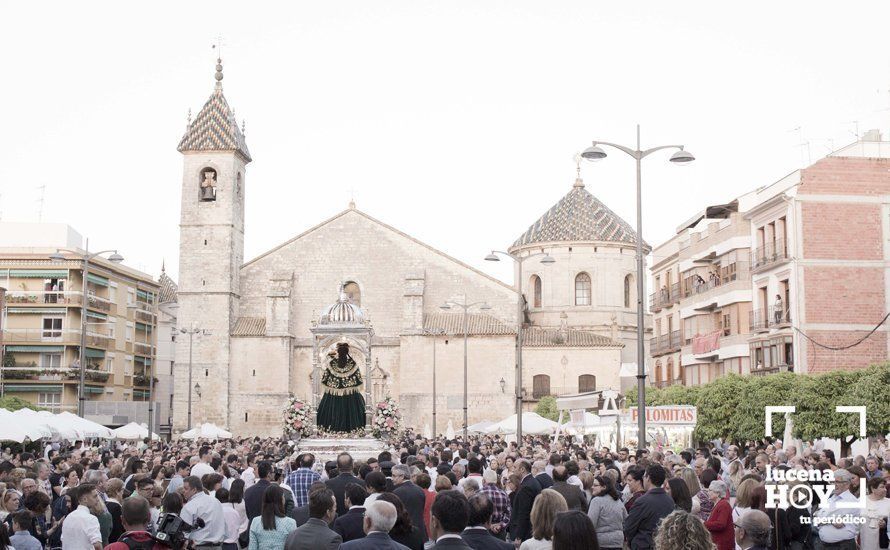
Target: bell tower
x=211, y=251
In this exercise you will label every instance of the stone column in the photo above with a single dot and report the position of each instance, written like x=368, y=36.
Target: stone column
x=316, y=375
x=368, y=405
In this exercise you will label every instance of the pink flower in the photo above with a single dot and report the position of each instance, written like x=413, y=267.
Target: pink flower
x=298, y=424
x=389, y=423
x=298, y=405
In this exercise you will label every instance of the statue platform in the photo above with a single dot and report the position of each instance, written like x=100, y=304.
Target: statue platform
x=361, y=448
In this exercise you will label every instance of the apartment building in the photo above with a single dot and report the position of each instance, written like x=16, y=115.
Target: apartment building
x=820, y=263
x=46, y=300
x=665, y=366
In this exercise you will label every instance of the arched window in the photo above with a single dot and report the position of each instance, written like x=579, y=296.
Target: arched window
x=352, y=290
x=628, y=284
x=540, y=386
x=586, y=382
x=207, y=185
x=670, y=370
x=657, y=376
x=535, y=284
x=582, y=289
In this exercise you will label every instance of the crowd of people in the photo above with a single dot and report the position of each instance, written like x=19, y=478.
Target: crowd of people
x=483, y=493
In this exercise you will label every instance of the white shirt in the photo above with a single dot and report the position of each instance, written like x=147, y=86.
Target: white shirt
x=80, y=530
x=201, y=469
x=249, y=477
x=202, y=505
x=233, y=524
x=827, y=531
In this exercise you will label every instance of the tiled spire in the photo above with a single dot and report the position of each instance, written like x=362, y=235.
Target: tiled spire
x=214, y=128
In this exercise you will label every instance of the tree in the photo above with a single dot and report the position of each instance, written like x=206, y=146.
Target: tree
x=759, y=392
x=718, y=405
x=546, y=407
x=13, y=403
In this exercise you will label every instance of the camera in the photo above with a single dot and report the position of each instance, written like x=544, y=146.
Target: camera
x=173, y=532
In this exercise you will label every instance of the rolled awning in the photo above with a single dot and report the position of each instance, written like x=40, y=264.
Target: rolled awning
x=93, y=389
x=97, y=280
x=35, y=349
x=42, y=388
x=38, y=273
x=100, y=316
x=95, y=353
x=47, y=311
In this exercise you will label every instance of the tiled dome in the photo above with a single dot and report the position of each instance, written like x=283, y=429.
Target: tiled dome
x=343, y=313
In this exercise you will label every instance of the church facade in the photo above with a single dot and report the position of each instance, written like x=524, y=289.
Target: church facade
x=264, y=327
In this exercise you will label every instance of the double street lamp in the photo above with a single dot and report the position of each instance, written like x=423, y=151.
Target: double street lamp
x=681, y=156
x=197, y=389
x=85, y=257
x=466, y=309
x=435, y=333
x=520, y=318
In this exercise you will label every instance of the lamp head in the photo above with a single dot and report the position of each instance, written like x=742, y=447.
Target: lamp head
x=682, y=156
x=198, y=389
x=115, y=258
x=57, y=257
x=593, y=153
x=492, y=258
x=548, y=260
x=445, y=307
x=485, y=307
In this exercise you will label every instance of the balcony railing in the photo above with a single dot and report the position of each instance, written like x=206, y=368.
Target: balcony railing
x=779, y=316
x=667, y=383
x=142, y=348
x=706, y=343
x=665, y=297
x=530, y=392
x=101, y=304
x=144, y=316
x=763, y=371
x=43, y=297
x=665, y=343
x=54, y=373
x=95, y=338
x=769, y=254
x=772, y=317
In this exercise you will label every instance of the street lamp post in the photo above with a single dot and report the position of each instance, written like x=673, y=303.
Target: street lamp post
x=466, y=309
x=435, y=332
x=191, y=332
x=520, y=317
x=85, y=257
x=594, y=153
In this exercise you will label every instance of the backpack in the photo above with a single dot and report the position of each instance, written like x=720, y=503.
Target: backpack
x=134, y=545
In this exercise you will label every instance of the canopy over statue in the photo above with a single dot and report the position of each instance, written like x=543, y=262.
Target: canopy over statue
x=342, y=407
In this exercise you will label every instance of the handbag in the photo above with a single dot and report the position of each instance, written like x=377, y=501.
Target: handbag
x=883, y=540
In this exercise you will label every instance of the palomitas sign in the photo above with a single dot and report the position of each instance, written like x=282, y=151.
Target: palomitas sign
x=667, y=415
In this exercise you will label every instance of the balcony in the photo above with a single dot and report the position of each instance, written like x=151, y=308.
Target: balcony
x=43, y=298
x=779, y=317
x=98, y=338
x=100, y=304
x=29, y=371
x=142, y=348
x=665, y=343
x=769, y=254
x=706, y=343
x=668, y=383
x=144, y=316
x=761, y=320
x=665, y=297
x=143, y=380
x=764, y=371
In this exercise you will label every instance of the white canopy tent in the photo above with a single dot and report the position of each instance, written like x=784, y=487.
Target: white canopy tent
x=59, y=428
x=134, y=430
x=88, y=428
x=207, y=431
x=480, y=427
x=532, y=423
x=19, y=428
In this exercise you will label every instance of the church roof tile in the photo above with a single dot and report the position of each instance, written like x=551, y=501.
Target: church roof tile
x=168, y=290
x=249, y=326
x=453, y=323
x=578, y=216
x=537, y=337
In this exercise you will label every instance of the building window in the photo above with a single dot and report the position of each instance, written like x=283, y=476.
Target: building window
x=130, y=330
x=540, y=386
x=128, y=365
x=51, y=401
x=536, y=291
x=50, y=360
x=582, y=290
x=131, y=297
x=52, y=328
x=109, y=363
x=628, y=283
x=53, y=288
x=586, y=382
x=354, y=293
x=657, y=371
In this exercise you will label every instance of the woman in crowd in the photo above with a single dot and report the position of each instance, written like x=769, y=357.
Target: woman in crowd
x=72, y=478
x=744, y=498
x=544, y=510
x=271, y=528
x=37, y=503
x=403, y=532
x=172, y=503
x=5, y=543
x=721, y=523
x=586, y=484
x=876, y=513
x=442, y=484
x=701, y=503
x=236, y=502
x=232, y=521
x=376, y=482
x=11, y=500
x=573, y=530
x=607, y=513
x=114, y=489
x=423, y=481
x=680, y=493
x=682, y=530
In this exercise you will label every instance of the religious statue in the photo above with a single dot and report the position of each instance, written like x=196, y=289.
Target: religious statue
x=342, y=408
x=208, y=186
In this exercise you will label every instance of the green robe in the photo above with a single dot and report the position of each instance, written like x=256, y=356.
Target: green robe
x=342, y=408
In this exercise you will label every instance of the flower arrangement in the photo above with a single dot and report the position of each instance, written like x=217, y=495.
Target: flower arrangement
x=298, y=418
x=357, y=433
x=387, y=418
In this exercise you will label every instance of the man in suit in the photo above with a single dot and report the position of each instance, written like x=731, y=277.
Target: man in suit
x=350, y=526
x=477, y=535
x=752, y=531
x=300, y=514
x=574, y=496
x=649, y=509
x=539, y=471
x=380, y=516
x=344, y=478
x=253, y=497
x=520, y=526
x=316, y=534
x=413, y=497
x=450, y=514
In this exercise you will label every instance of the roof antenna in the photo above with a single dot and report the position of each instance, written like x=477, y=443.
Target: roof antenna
x=578, y=181
x=41, y=200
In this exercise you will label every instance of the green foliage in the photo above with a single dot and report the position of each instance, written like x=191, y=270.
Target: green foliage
x=547, y=408
x=732, y=406
x=13, y=403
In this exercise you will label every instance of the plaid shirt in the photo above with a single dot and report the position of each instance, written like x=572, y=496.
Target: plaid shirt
x=299, y=481
x=501, y=503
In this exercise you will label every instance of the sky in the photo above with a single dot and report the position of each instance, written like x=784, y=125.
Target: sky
x=456, y=122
